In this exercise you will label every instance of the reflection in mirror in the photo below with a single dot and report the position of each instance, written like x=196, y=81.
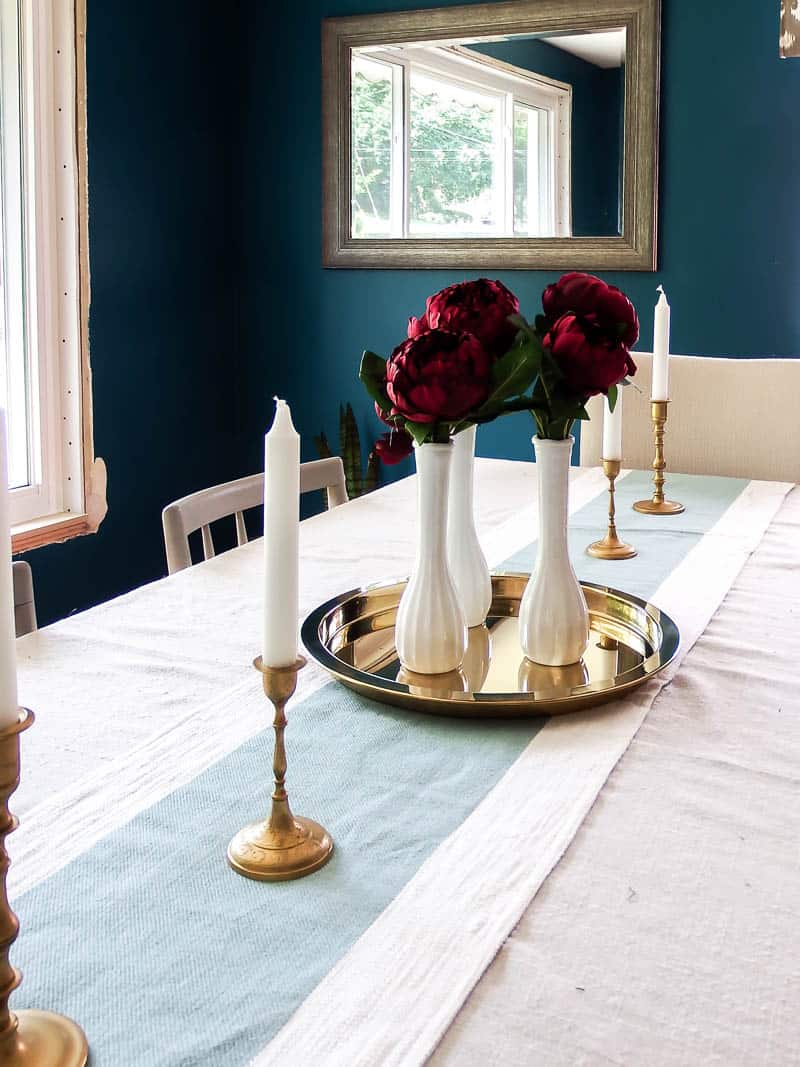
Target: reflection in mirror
x=514, y=137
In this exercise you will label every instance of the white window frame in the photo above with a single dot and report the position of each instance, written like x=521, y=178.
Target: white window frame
x=509, y=85
x=64, y=496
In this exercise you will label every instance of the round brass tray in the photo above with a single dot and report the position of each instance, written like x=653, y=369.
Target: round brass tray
x=352, y=637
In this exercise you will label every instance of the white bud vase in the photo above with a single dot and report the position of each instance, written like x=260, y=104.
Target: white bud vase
x=430, y=631
x=553, y=618
x=468, y=565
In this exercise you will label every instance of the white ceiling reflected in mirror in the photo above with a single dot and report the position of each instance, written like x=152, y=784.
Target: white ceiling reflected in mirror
x=511, y=134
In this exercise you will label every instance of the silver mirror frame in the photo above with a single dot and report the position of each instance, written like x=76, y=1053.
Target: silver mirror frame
x=635, y=249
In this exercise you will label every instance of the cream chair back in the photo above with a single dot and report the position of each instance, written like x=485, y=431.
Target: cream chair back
x=734, y=417
x=199, y=510
x=24, y=605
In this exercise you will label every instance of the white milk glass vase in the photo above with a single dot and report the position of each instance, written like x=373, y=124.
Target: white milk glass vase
x=553, y=617
x=468, y=566
x=430, y=631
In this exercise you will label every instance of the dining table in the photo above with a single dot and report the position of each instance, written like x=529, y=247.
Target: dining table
x=619, y=885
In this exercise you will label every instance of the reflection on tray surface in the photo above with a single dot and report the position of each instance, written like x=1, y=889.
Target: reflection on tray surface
x=628, y=643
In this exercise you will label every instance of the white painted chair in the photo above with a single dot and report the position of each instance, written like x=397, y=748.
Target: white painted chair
x=198, y=510
x=733, y=417
x=24, y=605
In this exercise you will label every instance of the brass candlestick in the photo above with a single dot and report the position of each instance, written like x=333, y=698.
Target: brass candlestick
x=658, y=505
x=284, y=846
x=27, y=1038
x=611, y=547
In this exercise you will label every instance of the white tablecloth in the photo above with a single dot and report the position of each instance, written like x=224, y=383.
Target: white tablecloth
x=668, y=932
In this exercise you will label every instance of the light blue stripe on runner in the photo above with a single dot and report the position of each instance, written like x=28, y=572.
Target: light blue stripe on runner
x=168, y=958
x=661, y=541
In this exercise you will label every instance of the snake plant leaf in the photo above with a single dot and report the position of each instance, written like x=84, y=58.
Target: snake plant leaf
x=322, y=446
x=371, y=477
x=351, y=451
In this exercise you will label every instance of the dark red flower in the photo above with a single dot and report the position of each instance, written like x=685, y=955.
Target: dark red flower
x=590, y=361
x=393, y=447
x=481, y=308
x=418, y=326
x=596, y=302
x=438, y=375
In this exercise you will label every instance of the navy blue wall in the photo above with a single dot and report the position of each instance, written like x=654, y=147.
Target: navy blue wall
x=208, y=294
x=729, y=210
x=597, y=111
x=162, y=322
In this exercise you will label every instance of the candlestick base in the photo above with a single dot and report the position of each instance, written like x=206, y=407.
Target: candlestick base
x=611, y=548
x=44, y=1039
x=658, y=507
x=268, y=854
x=283, y=846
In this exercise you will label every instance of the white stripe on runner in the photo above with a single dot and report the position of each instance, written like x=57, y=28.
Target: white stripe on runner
x=99, y=804
x=391, y=998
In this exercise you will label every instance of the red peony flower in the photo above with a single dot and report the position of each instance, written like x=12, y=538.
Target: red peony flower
x=590, y=362
x=393, y=447
x=481, y=308
x=438, y=375
x=418, y=326
x=596, y=302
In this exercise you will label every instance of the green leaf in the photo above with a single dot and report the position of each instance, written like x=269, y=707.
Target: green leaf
x=612, y=398
x=372, y=374
x=514, y=372
x=550, y=375
x=372, y=366
x=520, y=322
x=419, y=430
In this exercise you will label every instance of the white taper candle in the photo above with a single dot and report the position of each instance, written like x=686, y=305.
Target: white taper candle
x=9, y=703
x=660, y=389
x=281, y=539
x=612, y=428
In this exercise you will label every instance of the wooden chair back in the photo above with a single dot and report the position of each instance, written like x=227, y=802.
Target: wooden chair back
x=199, y=510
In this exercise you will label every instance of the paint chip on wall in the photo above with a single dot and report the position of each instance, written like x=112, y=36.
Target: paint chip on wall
x=790, y=28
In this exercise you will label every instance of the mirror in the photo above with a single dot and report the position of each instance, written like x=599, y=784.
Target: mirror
x=503, y=135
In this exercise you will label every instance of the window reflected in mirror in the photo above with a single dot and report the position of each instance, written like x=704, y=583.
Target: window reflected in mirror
x=521, y=137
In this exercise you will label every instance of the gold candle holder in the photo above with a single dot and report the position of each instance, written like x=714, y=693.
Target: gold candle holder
x=27, y=1038
x=284, y=846
x=611, y=547
x=657, y=505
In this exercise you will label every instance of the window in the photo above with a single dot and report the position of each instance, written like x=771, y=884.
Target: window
x=447, y=142
x=44, y=273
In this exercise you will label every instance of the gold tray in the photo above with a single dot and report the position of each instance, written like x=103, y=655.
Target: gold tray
x=352, y=637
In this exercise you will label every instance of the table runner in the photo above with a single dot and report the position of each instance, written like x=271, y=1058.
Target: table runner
x=235, y=1030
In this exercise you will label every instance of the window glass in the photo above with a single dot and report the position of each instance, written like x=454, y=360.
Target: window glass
x=13, y=340
x=455, y=165
x=532, y=215
x=372, y=110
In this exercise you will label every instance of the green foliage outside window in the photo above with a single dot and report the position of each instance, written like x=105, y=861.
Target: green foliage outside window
x=451, y=153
